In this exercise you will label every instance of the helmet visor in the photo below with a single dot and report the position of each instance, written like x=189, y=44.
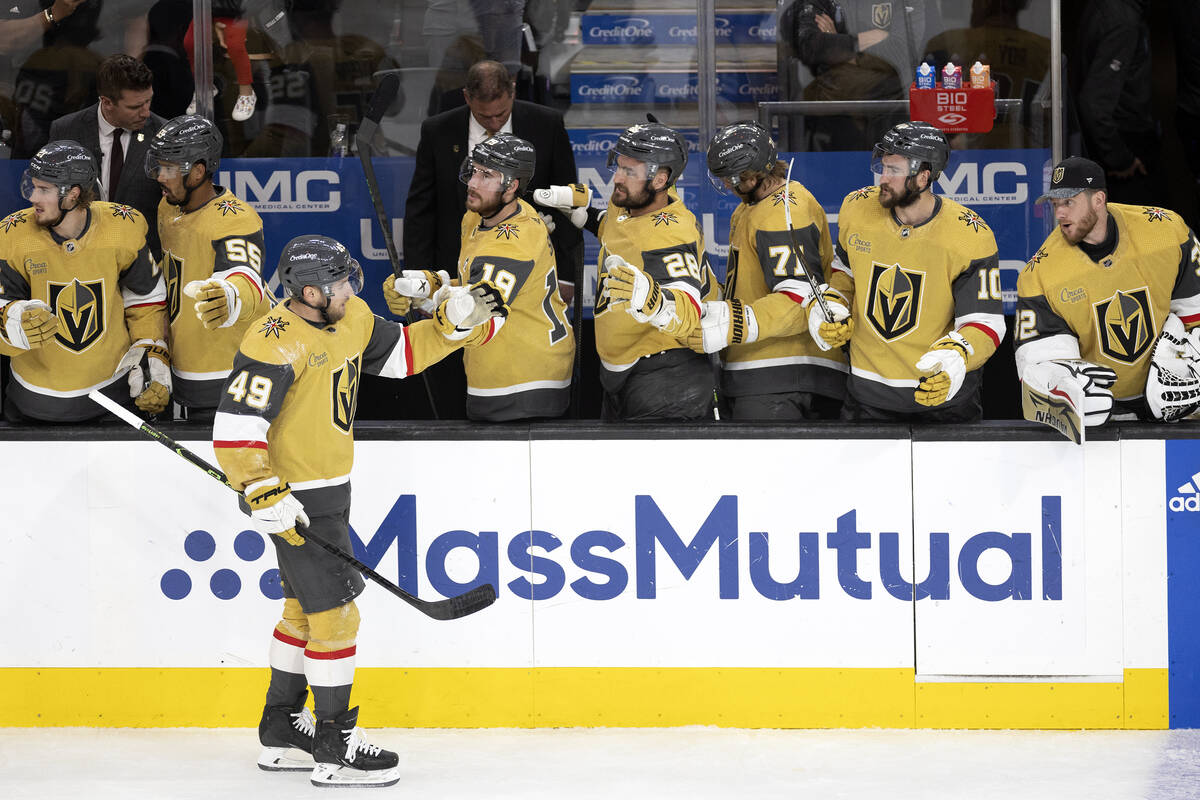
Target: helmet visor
x=891, y=165
x=481, y=178
x=42, y=191
x=629, y=167
x=168, y=169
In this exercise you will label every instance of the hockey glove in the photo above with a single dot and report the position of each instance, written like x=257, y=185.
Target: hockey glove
x=419, y=284
x=217, y=302
x=571, y=200
x=943, y=369
x=275, y=510
x=1173, y=383
x=463, y=309
x=29, y=324
x=724, y=323
x=397, y=303
x=1072, y=377
x=826, y=334
x=150, y=386
x=646, y=301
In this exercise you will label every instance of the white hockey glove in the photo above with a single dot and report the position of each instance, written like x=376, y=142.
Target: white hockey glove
x=723, y=323
x=571, y=200
x=150, y=386
x=646, y=301
x=1173, y=383
x=29, y=324
x=943, y=369
x=828, y=335
x=1085, y=385
x=463, y=309
x=414, y=284
x=275, y=510
x=217, y=302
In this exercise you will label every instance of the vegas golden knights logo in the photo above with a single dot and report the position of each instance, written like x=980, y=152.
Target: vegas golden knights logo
x=173, y=268
x=1058, y=174
x=345, y=393
x=894, y=300
x=881, y=15
x=731, y=268
x=80, y=310
x=1125, y=325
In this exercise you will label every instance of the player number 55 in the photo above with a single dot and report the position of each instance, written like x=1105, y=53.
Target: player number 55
x=242, y=252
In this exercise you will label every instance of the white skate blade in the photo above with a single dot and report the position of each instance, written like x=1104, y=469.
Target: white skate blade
x=284, y=759
x=337, y=776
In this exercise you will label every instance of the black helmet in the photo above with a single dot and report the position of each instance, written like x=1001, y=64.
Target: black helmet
x=654, y=144
x=511, y=156
x=185, y=141
x=919, y=142
x=313, y=260
x=63, y=163
x=740, y=147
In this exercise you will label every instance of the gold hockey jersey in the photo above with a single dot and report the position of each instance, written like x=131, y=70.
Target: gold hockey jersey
x=104, y=288
x=909, y=286
x=222, y=238
x=288, y=406
x=669, y=246
x=762, y=271
x=525, y=369
x=1114, y=309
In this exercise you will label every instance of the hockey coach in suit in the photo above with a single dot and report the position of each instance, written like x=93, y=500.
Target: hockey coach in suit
x=125, y=86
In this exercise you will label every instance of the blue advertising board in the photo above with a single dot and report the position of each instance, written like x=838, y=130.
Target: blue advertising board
x=730, y=27
x=1183, y=577
x=636, y=86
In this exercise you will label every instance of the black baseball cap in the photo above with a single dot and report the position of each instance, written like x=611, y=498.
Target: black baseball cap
x=1072, y=176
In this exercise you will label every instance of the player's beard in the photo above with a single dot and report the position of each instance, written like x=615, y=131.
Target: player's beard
x=490, y=209
x=1080, y=230
x=634, y=202
x=889, y=199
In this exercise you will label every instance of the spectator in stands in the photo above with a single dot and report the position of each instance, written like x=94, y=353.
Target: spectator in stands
x=25, y=21
x=437, y=199
x=858, y=50
x=117, y=131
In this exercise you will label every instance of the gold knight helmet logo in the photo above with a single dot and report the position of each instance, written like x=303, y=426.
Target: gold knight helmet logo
x=1126, y=328
x=345, y=393
x=80, y=310
x=881, y=15
x=894, y=300
x=174, y=276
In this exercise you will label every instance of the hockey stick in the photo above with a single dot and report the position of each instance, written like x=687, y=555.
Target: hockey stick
x=384, y=94
x=460, y=605
x=797, y=249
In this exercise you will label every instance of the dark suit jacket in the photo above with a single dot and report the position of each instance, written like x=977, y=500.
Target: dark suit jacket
x=134, y=188
x=437, y=199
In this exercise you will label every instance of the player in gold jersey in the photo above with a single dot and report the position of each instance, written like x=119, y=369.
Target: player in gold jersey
x=212, y=252
x=284, y=434
x=773, y=370
x=654, y=274
x=525, y=371
x=915, y=290
x=82, y=304
x=1097, y=294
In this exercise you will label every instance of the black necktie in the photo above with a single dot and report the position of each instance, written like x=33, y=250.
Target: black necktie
x=116, y=160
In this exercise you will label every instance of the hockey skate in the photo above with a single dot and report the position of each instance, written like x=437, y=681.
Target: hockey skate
x=286, y=733
x=345, y=759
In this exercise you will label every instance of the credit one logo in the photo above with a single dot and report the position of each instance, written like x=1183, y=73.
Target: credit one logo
x=866, y=561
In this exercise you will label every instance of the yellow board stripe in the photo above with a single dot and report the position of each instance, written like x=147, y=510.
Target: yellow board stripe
x=568, y=697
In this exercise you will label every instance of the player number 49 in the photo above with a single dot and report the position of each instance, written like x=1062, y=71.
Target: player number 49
x=256, y=396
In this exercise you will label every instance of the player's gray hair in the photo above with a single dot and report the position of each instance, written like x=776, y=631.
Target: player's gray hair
x=488, y=81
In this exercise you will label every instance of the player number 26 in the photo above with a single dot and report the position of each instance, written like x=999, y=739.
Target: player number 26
x=258, y=393
x=681, y=265
x=244, y=252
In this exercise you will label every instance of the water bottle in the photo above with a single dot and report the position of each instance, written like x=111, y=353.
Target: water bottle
x=338, y=141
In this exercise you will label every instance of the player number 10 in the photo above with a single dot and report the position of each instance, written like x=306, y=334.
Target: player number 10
x=989, y=284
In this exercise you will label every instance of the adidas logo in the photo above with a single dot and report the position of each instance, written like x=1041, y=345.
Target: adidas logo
x=1187, y=496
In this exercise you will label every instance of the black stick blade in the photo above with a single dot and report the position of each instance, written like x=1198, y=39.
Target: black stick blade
x=384, y=94
x=461, y=605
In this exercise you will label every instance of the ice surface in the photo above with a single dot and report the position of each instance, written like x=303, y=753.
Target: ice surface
x=623, y=764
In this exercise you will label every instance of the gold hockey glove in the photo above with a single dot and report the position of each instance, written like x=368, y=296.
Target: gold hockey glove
x=825, y=333
x=29, y=324
x=217, y=302
x=943, y=368
x=397, y=303
x=275, y=511
x=149, y=385
x=723, y=323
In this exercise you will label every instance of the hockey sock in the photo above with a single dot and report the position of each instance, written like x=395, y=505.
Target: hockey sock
x=329, y=659
x=287, y=656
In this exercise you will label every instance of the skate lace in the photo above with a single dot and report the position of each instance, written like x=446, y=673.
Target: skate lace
x=356, y=743
x=304, y=721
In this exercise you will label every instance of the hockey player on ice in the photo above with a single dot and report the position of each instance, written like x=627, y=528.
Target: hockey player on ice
x=283, y=434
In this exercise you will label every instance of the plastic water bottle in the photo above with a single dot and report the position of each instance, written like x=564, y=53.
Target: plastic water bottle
x=338, y=141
